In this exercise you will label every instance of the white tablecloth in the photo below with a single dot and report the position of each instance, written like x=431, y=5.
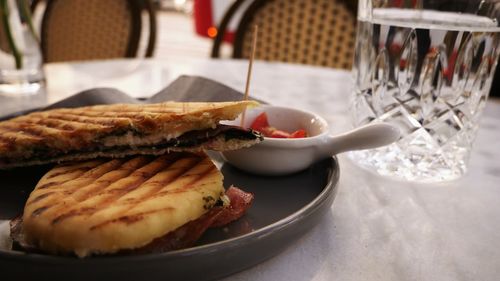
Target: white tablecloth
x=378, y=228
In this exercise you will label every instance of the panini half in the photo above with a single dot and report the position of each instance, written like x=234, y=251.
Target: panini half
x=141, y=203
x=120, y=130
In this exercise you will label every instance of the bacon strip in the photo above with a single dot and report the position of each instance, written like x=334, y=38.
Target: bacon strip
x=240, y=202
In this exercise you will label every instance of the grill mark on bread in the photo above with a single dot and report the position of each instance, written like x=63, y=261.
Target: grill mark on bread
x=93, y=119
x=142, y=177
x=78, y=124
x=128, y=168
x=105, y=120
x=133, y=168
x=27, y=131
x=80, y=172
x=40, y=197
x=165, y=162
x=35, y=127
x=50, y=121
x=92, y=174
x=95, y=189
x=50, y=184
x=157, y=108
x=110, y=114
x=149, y=111
x=102, y=169
x=49, y=127
x=40, y=210
x=164, y=184
x=78, y=169
x=41, y=124
x=198, y=177
x=129, y=219
x=70, y=214
x=111, y=196
x=32, y=129
x=97, y=120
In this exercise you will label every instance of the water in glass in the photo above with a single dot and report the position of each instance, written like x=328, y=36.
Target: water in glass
x=429, y=73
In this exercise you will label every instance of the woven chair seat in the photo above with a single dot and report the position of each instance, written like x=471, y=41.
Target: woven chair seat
x=319, y=32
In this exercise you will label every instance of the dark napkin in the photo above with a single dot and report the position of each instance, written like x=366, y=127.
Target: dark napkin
x=184, y=88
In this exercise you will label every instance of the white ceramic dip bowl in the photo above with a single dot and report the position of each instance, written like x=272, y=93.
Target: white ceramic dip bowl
x=281, y=156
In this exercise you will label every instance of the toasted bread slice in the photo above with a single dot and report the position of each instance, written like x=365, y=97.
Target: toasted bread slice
x=114, y=131
x=104, y=206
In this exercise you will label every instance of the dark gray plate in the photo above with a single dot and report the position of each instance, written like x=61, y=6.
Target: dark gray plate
x=284, y=209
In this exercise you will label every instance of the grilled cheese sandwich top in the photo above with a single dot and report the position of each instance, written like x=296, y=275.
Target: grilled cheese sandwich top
x=104, y=206
x=85, y=132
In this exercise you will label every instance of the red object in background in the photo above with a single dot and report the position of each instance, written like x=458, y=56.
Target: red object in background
x=401, y=3
x=207, y=16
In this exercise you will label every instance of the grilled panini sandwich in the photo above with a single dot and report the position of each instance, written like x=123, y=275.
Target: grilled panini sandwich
x=133, y=204
x=119, y=130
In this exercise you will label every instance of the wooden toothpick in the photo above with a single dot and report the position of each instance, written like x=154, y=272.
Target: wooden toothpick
x=249, y=73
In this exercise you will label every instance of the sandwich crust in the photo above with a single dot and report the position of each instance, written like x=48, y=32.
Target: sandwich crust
x=56, y=135
x=104, y=206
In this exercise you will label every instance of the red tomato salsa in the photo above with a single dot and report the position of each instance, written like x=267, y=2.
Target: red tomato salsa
x=261, y=125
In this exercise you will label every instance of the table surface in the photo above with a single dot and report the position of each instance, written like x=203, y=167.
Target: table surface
x=378, y=228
